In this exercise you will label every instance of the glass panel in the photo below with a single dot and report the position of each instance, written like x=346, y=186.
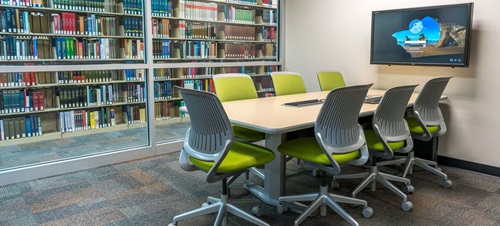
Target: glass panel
x=64, y=32
x=48, y=116
x=172, y=123
x=205, y=31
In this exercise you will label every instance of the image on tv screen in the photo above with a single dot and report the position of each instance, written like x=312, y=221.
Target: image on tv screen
x=434, y=35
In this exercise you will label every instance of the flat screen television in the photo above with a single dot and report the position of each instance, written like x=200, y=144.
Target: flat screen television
x=431, y=36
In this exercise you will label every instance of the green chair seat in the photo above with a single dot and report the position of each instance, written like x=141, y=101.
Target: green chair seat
x=243, y=133
x=374, y=143
x=416, y=128
x=308, y=149
x=241, y=156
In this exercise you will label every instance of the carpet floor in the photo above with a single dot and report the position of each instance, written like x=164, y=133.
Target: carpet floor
x=152, y=191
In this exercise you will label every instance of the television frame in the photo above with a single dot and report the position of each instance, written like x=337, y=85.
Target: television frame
x=468, y=27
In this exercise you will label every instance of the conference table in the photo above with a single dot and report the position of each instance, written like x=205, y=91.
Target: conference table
x=270, y=116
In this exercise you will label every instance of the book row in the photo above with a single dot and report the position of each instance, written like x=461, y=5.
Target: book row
x=164, y=49
x=134, y=114
x=247, y=51
x=165, y=110
x=161, y=29
x=90, y=24
x=78, y=120
x=233, y=14
x=208, y=72
x=163, y=90
x=196, y=10
x=101, y=48
x=23, y=79
x=28, y=3
x=33, y=48
x=68, y=23
x=199, y=84
x=24, y=100
x=162, y=8
x=112, y=6
x=83, y=96
x=14, y=101
x=21, y=127
x=16, y=79
x=118, y=6
x=75, y=77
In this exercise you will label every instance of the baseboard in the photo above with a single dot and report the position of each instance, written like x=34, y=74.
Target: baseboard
x=472, y=166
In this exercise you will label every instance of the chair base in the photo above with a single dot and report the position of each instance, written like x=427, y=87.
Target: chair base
x=222, y=207
x=411, y=161
x=376, y=176
x=322, y=199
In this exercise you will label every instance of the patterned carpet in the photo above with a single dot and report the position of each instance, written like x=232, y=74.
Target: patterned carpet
x=151, y=191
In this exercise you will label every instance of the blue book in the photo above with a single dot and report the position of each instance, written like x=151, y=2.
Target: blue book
x=92, y=24
x=26, y=23
x=8, y=15
x=21, y=101
x=35, y=48
x=197, y=50
x=27, y=122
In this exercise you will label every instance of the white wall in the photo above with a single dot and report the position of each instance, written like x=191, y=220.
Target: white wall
x=335, y=35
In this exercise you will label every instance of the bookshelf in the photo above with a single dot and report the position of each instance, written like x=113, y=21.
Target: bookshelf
x=214, y=30
x=190, y=41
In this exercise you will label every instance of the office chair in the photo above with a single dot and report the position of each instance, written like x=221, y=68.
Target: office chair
x=389, y=134
x=286, y=83
x=231, y=87
x=426, y=121
x=329, y=80
x=209, y=146
x=338, y=139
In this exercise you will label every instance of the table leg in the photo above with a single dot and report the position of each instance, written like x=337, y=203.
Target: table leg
x=274, y=174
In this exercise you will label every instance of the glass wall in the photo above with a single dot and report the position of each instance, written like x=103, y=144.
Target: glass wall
x=85, y=78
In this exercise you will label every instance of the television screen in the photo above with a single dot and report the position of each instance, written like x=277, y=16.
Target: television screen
x=437, y=35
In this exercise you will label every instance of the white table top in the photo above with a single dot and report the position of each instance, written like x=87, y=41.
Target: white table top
x=268, y=114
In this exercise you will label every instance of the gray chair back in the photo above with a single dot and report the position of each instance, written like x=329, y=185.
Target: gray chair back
x=210, y=136
x=388, y=120
x=337, y=129
x=426, y=108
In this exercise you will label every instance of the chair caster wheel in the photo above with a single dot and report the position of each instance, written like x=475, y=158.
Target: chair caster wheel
x=407, y=206
x=367, y=212
x=316, y=173
x=257, y=211
x=447, y=184
x=205, y=204
x=335, y=184
x=171, y=224
x=282, y=208
x=407, y=189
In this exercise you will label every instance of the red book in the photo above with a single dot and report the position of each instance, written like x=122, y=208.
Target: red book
x=33, y=78
x=84, y=119
x=35, y=101
x=97, y=50
x=41, y=100
x=27, y=78
x=73, y=23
